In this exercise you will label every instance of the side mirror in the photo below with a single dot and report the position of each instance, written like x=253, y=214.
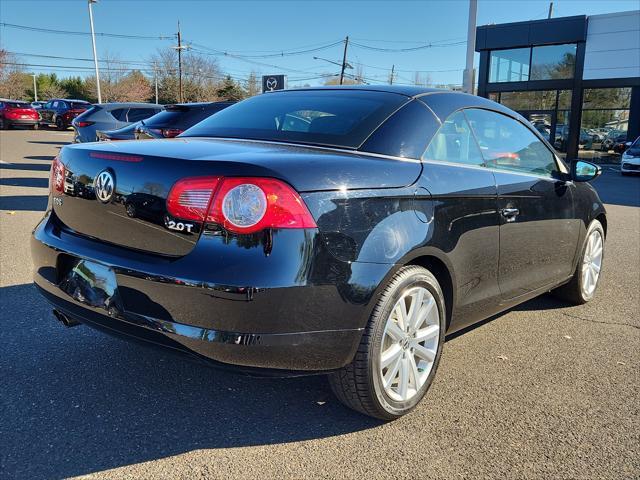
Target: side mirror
x=582, y=171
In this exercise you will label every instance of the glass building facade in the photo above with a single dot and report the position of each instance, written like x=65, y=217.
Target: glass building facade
x=537, y=68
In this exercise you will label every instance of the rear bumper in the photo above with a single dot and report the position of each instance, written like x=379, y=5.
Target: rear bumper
x=22, y=121
x=304, y=326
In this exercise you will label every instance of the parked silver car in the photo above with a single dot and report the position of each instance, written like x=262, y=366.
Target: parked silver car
x=109, y=116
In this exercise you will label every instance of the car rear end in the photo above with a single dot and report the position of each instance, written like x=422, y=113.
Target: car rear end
x=75, y=109
x=19, y=114
x=175, y=119
x=164, y=254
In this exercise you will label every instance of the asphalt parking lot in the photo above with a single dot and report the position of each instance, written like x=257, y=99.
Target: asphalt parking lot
x=542, y=391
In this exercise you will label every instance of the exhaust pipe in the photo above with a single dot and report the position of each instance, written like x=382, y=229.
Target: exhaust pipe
x=63, y=319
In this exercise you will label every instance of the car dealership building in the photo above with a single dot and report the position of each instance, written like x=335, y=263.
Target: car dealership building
x=576, y=79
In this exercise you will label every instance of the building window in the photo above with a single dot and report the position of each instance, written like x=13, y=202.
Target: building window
x=549, y=62
x=509, y=65
x=553, y=62
x=605, y=119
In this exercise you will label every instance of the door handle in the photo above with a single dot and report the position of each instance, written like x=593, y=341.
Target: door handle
x=510, y=214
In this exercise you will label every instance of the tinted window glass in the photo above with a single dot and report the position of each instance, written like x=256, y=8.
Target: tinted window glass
x=137, y=114
x=342, y=118
x=120, y=114
x=553, y=61
x=56, y=104
x=454, y=142
x=509, y=65
x=507, y=144
x=79, y=105
x=17, y=105
x=178, y=118
x=405, y=134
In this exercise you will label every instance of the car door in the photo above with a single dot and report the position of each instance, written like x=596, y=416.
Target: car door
x=538, y=227
x=464, y=196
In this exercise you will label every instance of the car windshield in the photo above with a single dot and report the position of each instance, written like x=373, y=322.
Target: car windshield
x=342, y=118
x=17, y=105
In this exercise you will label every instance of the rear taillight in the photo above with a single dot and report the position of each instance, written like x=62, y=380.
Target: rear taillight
x=82, y=124
x=56, y=182
x=189, y=198
x=239, y=205
x=171, y=132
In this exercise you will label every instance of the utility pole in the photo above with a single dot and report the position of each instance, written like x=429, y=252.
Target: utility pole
x=344, y=59
x=550, y=10
x=393, y=67
x=35, y=88
x=155, y=76
x=95, y=55
x=467, y=81
x=180, y=47
x=179, y=63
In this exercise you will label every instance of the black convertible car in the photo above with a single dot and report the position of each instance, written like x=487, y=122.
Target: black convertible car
x=333, y=230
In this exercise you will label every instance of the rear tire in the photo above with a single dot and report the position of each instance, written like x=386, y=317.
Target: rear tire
x=394, y=367
x=60, y=124
x=585, y=280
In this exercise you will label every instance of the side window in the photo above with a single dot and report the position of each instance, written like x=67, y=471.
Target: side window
x=509, y=145
x=120, y=114
x=454, y=142
x=137, y=114
x=55, y=105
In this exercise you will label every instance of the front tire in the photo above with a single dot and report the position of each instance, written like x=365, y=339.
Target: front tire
x=585, y=280
x=400, y=349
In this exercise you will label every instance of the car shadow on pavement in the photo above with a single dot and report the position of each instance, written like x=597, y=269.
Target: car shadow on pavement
x=48, y=142
x=38, y=167
x=39, y=157
x=25, y=182
x=76, y=401
x=24, y=202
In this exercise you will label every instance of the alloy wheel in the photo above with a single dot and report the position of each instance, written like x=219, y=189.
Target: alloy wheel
x=409, y=344
x=592, y=263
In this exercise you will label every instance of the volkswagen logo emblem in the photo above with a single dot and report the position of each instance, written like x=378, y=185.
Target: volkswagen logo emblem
x=104, y=186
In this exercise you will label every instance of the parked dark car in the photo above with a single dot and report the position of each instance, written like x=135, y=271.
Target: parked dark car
x=177, y=118
x=110, y=116
x=61, y=111
x=338, y=230
x=124, y=133
x=16, y=113
x=613, y=138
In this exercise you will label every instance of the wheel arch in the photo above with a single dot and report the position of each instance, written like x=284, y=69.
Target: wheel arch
x=444, y=276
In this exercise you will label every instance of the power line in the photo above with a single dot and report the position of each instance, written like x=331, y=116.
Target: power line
x=408, y=49
x=72, y=32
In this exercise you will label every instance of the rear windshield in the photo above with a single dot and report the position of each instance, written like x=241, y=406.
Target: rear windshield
x=79, y=105
x=342, y=118
x=17, y=105
x=181, y=119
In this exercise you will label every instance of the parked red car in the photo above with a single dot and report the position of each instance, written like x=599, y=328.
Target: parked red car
x=60, y=112
x=13, y=112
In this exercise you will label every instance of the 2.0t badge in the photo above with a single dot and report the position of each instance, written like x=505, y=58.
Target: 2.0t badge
x=104, y=186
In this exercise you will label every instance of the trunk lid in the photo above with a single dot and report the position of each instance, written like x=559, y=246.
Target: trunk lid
x=134, y=214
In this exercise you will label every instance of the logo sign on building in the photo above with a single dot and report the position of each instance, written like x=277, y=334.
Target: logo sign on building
x=273, y=82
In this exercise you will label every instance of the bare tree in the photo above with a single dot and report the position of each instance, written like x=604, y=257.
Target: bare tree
x=14, y=83
x=201, y=76
x=252, y=85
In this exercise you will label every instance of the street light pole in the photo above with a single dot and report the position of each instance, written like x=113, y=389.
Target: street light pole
x=467, y=81
x=35, y=88
x=95, y=55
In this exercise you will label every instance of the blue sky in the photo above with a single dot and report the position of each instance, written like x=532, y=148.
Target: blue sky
x=250, y=28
